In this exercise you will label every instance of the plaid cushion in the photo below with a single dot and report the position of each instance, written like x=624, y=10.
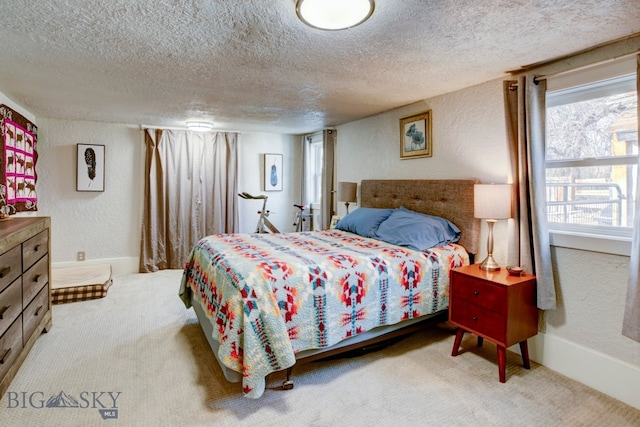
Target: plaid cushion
x=80, y=284
x=79, y=293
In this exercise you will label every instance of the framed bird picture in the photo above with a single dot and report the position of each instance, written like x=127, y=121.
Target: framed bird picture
x=90, y=167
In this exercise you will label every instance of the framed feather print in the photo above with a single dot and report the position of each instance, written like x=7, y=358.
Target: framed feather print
x=90, y=167
x=273, y=172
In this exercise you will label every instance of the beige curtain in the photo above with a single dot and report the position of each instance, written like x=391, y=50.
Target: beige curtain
x=190, y=192
x=631, y=322
x=329, y=139
x=528, y=233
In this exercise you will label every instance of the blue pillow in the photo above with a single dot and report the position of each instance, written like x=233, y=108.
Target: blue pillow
x=364, y=221
x=417, y=231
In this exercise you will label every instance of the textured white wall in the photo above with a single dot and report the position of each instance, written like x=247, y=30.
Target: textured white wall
x=469, y=141
x=592, y=288
x=105, y=225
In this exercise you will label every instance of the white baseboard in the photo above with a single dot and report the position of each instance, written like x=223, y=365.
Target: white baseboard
x=599, y=371
x=128, y=265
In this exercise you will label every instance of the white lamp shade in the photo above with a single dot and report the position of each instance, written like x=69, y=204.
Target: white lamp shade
x=492, y=201
x=334, y=14
x=347, y=192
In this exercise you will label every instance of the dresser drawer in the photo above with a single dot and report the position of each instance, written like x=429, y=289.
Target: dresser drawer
x=10, y=346
x=479, y=292
x=34, y=279
x=478, y=319
x=34, y=249
x=10, y=304
x=10, y=266
x=35, y=311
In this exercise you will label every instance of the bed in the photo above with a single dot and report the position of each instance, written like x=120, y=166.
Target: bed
x=267, y=302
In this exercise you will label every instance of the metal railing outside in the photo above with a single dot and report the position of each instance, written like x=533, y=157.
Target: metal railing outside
x=585, y=203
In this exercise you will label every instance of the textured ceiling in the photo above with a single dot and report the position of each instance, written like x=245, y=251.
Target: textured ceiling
x=251, y=65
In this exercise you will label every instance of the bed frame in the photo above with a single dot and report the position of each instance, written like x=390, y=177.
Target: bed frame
x=450, y=199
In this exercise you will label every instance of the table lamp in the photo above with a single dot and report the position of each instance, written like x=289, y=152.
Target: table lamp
x=491, y=202
x=347, y=193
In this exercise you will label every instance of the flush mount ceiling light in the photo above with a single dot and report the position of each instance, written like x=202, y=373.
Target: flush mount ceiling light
x=199, y=126
x=334, y=14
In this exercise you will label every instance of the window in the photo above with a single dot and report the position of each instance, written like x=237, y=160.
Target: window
x=313, y=170
x=592, y=154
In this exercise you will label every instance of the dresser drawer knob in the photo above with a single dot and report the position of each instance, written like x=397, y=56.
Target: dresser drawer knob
x=476, y=293
x=5, y=356
x=3, y=311
x=5, y=271
x=475, y=318
x=35, y=248
x=37, y=311
x=36, y=278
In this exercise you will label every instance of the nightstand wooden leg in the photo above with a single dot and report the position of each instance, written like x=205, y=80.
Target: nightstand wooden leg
x=502, y=363
x=458, y=340
x=480, y=341
x=524, y=349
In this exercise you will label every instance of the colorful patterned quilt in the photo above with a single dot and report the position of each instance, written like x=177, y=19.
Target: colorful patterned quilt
x=270, y=296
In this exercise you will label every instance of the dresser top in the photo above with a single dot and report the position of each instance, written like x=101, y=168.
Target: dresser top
x=15, y=230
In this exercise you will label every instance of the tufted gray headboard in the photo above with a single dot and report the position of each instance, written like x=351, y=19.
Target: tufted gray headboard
x=448, y=198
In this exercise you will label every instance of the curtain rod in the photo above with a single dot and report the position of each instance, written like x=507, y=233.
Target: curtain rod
x=145, y=127
x=583, y=67
x=536, y=79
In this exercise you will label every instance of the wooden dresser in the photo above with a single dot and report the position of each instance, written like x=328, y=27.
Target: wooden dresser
x=25, y=293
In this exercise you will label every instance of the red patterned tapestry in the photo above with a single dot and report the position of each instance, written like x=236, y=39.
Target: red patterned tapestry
x=19, y=156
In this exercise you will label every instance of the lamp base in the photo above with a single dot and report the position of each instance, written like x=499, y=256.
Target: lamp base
x=489, y=264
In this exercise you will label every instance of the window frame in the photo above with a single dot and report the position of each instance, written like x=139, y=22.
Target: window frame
x=600, y=80
x=313, y=168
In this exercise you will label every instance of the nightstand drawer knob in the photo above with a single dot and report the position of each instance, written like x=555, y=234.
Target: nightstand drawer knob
x=475, y=318
x=476, y=293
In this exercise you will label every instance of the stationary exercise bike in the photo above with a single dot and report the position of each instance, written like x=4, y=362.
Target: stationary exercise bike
x=301, y=216
x=263, y=220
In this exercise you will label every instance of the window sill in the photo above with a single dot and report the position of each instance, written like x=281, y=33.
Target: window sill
x=591, y=242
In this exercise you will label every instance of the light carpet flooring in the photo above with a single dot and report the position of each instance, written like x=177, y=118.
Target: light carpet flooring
x=141, y=342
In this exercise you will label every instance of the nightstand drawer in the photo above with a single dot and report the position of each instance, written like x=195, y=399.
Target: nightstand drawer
x=10, y=305
x=478, y=320
x=479, y=292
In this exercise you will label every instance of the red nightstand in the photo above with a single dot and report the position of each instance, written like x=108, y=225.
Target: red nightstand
x=496, y=306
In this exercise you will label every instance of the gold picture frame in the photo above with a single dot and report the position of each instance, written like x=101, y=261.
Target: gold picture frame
x=415, y=136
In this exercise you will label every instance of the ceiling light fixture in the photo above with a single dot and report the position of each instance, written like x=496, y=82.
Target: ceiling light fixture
x=196, y=126
x=334, y=14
